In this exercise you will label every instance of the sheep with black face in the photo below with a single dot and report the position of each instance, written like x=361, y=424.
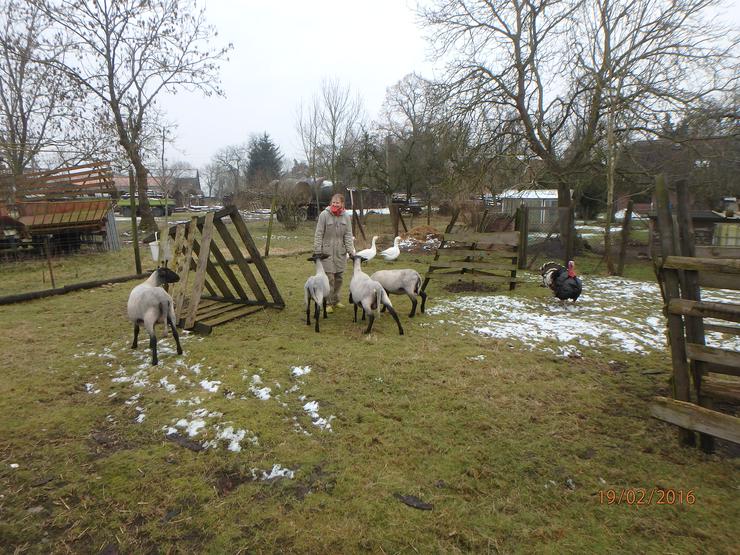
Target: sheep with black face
x=149, y=305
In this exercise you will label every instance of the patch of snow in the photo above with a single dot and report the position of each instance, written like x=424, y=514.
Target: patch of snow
x=262, y=393
x=90, y=388
x=190, y=402
x=298, y=371
x=277, y=472
x=211, y=386
x=170, y=388
x=192, y=428
x=233, y=437
x=610, y=313
x=312, y=408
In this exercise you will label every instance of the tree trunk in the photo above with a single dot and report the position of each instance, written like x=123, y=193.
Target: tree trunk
x=611, y=160
x=147, y=218
x=564, y=220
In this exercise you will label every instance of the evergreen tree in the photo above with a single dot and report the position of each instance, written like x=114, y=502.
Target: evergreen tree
x=264, y=161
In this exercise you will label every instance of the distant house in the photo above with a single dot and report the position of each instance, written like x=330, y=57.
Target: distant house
x=542, y=203
x=185, y=188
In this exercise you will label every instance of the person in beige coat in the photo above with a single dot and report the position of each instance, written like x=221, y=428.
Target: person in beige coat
x=334, y=237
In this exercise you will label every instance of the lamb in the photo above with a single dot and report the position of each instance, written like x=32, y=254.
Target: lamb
x=370, y=294
x=317, y=288
x=398, y=282
x=149, y=305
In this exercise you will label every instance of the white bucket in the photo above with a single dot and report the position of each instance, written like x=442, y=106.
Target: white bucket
x=154, y=248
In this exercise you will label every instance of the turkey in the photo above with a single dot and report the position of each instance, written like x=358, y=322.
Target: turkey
x=563, y=281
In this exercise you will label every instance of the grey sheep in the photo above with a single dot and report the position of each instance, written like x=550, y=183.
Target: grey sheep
x=399, y=282
x=369, y=294
x=149, y=305
x=317, y=287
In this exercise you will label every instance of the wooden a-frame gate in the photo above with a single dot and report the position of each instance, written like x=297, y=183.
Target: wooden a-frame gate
x=213, y=289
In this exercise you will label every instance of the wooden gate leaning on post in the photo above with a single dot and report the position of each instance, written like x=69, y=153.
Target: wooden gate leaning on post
x=481, y=257
x=213, y=289
x=714, y=372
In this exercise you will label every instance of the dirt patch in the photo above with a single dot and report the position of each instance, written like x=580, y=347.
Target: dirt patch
x=469, y=286
x=422, y=233
x=228, y=480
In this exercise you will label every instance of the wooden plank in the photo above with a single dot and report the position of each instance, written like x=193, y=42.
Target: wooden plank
x=473, y=265
x=238, y=312
x=694, y=417
x=444, y=276
x=187, y=263
x=484, y=254
x=709, y=251
x=98, y=164
x=721, y=389
x=729, y=330
x=716, y=280
x=215, y=310
x=257, y=259
x=204, y=302
x=713, y=354
x=508, y=238
x=705, y=309
x=721, y=265
x=88, y=180
x=212, y=272
x=240, y=260
x=221, y=259
x=200, y=274
x=670, y=289
x=178, y=261
x=694, y=326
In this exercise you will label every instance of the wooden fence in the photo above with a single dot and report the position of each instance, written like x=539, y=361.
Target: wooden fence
x=479, y=257
x=704, y=377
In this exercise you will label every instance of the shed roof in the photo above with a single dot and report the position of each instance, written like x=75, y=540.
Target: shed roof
x=543, y=194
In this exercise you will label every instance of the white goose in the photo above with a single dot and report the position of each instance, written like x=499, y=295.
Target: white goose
x=393, y=252
x=369, y=253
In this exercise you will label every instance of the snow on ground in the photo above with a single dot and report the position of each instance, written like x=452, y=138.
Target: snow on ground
x=431, y=243
x=118, y=370
x=615, y=313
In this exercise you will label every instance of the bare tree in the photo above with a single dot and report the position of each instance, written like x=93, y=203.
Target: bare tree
x=128, y=52
x=308, y=120
x=341, y=112
x=544, y=73
x=231, y=162
x=411, y=109
x=35, y=100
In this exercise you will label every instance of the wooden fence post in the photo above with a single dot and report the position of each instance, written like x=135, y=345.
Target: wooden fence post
x=690, y=291
x=134, y=231
x=681, y=387
x=625, y=237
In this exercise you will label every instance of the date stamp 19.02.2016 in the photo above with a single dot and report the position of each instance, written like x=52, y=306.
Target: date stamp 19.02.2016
x=646, y=496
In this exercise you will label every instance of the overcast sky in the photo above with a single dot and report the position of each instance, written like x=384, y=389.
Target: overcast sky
x=282, y=51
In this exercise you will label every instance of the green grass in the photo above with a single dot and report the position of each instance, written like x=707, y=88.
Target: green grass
x=490, y=443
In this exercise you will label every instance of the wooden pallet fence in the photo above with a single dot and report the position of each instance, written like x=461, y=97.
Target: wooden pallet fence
x=214, y=289
x=477, y=257
x=703, y=375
